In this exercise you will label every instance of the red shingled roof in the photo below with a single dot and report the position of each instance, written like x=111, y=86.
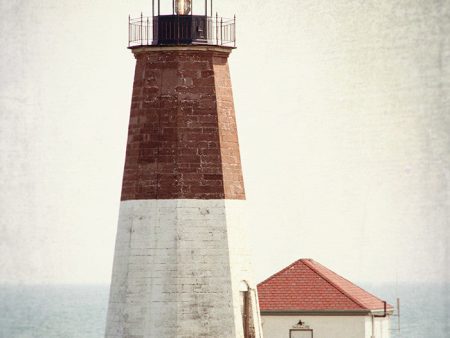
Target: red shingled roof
x=306, y=285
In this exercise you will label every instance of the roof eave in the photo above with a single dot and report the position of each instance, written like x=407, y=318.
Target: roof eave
x=389, y=311
x=362, y=312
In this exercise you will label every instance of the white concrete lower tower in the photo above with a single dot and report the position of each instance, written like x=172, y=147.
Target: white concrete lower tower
x=181, y=269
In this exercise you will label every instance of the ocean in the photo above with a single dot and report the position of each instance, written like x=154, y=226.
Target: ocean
x=79, y=311
x=424, y=308
x=69, y=311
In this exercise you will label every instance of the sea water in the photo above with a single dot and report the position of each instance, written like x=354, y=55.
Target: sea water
x=424, y=308
x=79, y=311
x=63, y=311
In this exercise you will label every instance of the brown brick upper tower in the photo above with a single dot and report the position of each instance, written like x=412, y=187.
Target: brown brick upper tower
x=182, y=139
x=181, y=268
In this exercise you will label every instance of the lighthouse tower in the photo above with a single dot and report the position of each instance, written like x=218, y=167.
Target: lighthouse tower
x=181, y=268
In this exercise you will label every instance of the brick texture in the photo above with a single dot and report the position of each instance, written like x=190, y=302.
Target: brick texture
x=182, y=137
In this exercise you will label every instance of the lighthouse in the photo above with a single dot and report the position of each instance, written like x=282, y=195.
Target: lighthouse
x=181, y=265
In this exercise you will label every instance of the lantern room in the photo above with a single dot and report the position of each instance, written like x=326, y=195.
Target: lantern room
x=181, y=22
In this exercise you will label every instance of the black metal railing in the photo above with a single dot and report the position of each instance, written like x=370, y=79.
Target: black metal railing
x=183, y=30
x=139, y=31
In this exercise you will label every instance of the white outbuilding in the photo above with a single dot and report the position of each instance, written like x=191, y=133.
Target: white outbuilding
x=307, y=300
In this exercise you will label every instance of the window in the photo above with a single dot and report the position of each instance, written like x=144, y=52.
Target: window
x=300, y=333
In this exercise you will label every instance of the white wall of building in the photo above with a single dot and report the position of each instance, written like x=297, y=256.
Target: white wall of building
x=381, y=327
x=326, y=326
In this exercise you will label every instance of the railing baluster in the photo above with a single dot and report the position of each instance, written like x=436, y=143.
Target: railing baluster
x=221, y=31
x=142, y=27
x=217, y=29
x=234, y=31
x=148, y=32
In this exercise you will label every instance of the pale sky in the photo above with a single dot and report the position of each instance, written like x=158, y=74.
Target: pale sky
x=343, y=112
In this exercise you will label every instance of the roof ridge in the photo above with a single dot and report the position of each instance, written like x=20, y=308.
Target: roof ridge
x=279, y=272
x=307, y=262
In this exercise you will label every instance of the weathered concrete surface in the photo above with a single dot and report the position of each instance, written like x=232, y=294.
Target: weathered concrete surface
x=178, y=267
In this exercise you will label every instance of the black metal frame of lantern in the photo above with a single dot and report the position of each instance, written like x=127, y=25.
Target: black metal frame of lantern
x=181, y=27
